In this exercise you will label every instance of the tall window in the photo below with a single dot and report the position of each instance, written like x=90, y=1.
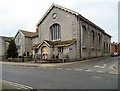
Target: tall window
x=104, y=47
x=99, y=40
x=55, y=31
x=83, y=35
x=93, y=36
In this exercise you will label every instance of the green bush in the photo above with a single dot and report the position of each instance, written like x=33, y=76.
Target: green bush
x=27, y=59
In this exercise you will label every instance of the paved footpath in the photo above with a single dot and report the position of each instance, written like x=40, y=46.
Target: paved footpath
x=30, y=64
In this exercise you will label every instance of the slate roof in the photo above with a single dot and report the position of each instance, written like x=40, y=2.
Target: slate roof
x=61, y=43
x=56, y=43
x=29, y=34
x=7, y=39
x=72, y=12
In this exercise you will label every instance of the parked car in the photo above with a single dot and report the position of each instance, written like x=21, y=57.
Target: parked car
x=114, y=54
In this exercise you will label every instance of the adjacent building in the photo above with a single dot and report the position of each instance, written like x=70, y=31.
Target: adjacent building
x=4, y=43
x=25, y=40
x=115, y=47
x=63, y=33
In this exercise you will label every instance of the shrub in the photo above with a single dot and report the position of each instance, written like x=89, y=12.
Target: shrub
x=27, y=59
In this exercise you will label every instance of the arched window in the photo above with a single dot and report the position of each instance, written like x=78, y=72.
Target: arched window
x=93, y=36
x=99, y=40
x=55, y=31
x=83, y=35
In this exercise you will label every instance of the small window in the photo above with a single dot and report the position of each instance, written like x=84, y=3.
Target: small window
x=60, y=49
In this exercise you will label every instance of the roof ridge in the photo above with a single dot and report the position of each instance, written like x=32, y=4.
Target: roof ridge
x=26, y=31
x=72, y=11
x=58, y=6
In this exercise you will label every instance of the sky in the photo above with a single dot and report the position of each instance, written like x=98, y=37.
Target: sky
x=25, y=14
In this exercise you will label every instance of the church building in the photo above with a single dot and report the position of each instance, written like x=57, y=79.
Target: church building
x=64, y=33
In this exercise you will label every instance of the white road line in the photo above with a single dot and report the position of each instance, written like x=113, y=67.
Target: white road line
x=113, y=72
x=111, y=67
x=100, y=71
x=89, y=70
x=98, y=66
x=19, y=86
x=103, y=66
x=78, y=69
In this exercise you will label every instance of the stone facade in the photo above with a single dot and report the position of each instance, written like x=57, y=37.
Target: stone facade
x=65, y=33
x=24, y=41
x=4, y=43
x=92, y=41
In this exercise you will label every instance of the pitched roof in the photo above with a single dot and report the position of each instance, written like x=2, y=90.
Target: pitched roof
x=29, y=34
x=61, y=43
x=72, y=12
x=56, y=43
x=7, y=39
x=35, y=46
x=57, y=6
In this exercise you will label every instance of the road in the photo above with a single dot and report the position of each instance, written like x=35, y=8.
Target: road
x=91, y=74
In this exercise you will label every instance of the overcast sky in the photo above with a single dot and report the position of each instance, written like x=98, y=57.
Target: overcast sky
x=24, y=14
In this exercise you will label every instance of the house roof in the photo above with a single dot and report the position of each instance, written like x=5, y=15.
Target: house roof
x=35, y=46
x=5, y=38
x=29, y=34
x=61, y=43
x=72, y=12
x=56, y=43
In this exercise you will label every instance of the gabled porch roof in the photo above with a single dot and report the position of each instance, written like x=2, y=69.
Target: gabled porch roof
x=55, y=43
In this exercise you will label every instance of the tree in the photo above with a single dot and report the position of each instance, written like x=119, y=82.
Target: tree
x=12, y=50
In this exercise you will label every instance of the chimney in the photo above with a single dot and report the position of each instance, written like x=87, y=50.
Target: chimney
x=37, y=29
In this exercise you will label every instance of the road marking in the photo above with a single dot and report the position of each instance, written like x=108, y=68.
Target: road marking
x=111, y=67
x=89, y=70
x=98, y=66
x=100, y=71
x=104, y=66
x=113, y=73
x=17, y=85
x=78, y=69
